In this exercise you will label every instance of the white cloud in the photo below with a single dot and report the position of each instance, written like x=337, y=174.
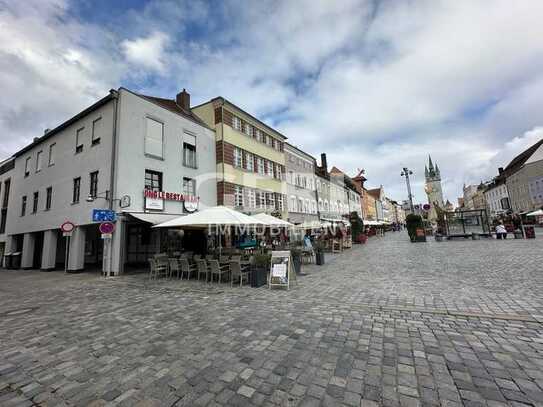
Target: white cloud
x=148, y=52
x=377, y=85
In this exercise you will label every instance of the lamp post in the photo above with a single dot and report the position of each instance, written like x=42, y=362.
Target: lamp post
x=406, y=172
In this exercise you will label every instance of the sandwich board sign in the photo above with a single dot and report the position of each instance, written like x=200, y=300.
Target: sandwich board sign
x=281, y=270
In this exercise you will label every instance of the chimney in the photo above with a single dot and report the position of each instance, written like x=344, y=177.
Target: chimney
x=183, y=100
x=324, y=164
x=500, y=170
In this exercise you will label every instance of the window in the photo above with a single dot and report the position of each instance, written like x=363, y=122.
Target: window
x=250, y=162
x=238, y=160
x=96, y=131
x=23, y=206
x=280, y=202
x=52, y=154
x=5, y=201
x=269, y=168
x=292, y=204
x=3, y=218
x=270, y=200
x=154, y=138
x=76, y=190
x=189, y=150
x=236, y=123
x=153, y=180
x=251, y=198
x=278, y=172
x=189, y=186
x=35, y=202
x=260, y=136
x=238, y=196
x=262, y=200
x=27, y=167
x=48, y=198
x=248, y=129
x=93, y=185
x=269, y=140
x=79, y=140
x=260, y=165
x=38, y=161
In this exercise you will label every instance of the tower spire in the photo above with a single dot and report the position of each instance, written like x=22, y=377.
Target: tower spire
x=430, y=164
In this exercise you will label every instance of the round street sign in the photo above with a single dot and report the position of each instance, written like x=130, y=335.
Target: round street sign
x=67, y=226
x=107, y=227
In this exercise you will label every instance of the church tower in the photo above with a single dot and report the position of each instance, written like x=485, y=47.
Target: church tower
x=433, y=188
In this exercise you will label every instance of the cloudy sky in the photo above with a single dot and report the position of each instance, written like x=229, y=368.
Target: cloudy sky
x=376, y=84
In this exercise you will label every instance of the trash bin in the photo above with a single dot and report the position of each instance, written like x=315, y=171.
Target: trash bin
x=7, y=260
x=16, y=260
x=258, y=277
x=319, y=257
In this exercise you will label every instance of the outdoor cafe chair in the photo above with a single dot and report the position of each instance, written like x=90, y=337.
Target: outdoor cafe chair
x=209, y=257
x=217, y=270
x=236, y=257
x=202, y=268
x=174, y=267
x=223, y=259
x=156, y=269
x=186, y=268
x=236, y=271
x=197, y=257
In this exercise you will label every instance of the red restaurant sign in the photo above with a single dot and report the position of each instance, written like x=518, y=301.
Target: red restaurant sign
x=169, y=196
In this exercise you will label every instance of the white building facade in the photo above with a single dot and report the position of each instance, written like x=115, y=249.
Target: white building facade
x=301, y=186
x=148, y=159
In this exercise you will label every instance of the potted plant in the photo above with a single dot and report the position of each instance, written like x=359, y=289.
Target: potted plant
x=261, y=266
x=414, y=228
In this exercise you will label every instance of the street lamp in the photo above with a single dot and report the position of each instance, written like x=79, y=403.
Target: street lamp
x=124, y=201
x=406, y=172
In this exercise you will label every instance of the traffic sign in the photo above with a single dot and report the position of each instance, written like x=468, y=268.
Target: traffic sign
x=107, y=228
x=103, y=215
x=107, y=235
x=67, y=226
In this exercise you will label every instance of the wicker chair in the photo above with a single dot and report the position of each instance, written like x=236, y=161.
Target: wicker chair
x=237, y=272
x=217, y=270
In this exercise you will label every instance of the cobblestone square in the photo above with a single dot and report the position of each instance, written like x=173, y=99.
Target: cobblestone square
x=387, y=323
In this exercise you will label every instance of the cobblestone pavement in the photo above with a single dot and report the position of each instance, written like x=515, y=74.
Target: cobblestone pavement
x=387, y=323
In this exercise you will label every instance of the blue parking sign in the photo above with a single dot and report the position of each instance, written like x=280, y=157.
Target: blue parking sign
x=103, y=215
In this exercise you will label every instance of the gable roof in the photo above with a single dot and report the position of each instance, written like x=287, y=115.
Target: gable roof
x=375, y=192
x=517, y=162
x=172, y=106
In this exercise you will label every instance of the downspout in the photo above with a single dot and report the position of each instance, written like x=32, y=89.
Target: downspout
x=115, y=95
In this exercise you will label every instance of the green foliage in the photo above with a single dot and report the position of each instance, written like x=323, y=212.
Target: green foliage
x=413, y=222
x=262, y=260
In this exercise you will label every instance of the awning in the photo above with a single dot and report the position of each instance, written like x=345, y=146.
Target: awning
x=153, y=218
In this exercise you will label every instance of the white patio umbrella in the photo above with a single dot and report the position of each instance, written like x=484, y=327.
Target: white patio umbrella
x=214, y=216
x=539, y=212
x=271, y=220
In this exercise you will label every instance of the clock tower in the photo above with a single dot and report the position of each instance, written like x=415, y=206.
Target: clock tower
x=433, y=188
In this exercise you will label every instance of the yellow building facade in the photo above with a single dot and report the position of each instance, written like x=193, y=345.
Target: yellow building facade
x=250, y=159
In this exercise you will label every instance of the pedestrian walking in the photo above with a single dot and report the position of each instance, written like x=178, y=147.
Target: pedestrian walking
x=501, y=231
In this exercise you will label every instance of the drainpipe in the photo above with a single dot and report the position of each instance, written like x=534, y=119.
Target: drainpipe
x=115, y=95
